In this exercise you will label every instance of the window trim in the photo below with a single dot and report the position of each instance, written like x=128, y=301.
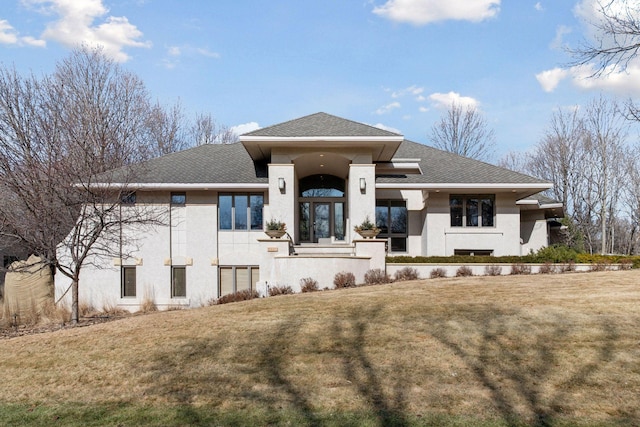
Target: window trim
x=123, y=287
x=250, y=225
x=464, y=207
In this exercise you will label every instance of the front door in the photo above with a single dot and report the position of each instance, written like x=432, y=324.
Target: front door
x=322, y=213
x=321, y=221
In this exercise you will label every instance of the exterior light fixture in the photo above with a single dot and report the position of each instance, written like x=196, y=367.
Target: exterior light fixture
x=363, y=185
x=281, y=185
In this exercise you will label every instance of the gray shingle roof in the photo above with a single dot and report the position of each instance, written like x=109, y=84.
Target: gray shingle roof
x=231, y=164
x=209, y=163
x=320, y=124
x=442, y=167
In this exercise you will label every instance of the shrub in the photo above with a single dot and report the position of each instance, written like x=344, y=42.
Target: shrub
x=600, y=265
x=626, y=264
x=308, y=285
x=546, y=268
x=568, y=267
x=520, y=268
x=376, y=276
x=280, y=290
x=555, y=254
x=464, y=271
x=437, y=273
x=493, y=270
x=406, y=273
x=244, y=295
x=344, y=279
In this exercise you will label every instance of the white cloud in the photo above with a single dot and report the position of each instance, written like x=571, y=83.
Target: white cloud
x=550, y=79
x=75, y=25
x=558, y=41
x=422, y=12
x=622, y=82
x=423, y=109
x=245, y=127
x=445, y=100
x=388, y=108
x=8, y=35
x=538, y=6
x=411, y=90
x=387, y=128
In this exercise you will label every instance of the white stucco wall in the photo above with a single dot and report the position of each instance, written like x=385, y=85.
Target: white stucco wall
x=443, y=240
x=533, y=231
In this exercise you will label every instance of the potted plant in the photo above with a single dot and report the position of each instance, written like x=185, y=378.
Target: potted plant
x=367, y=229
x=275, y=229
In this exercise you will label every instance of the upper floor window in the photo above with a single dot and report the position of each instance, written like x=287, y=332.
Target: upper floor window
x=178, y=199
x=240, y=211
x=472, y=211
x=128, y=198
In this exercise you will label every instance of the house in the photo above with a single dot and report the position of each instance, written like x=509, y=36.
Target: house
x=321, y=175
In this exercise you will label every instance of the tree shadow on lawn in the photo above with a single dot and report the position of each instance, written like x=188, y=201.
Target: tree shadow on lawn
x=519, y=369
x=525, y=370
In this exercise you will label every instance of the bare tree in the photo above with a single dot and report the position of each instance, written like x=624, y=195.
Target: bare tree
x=58, y=136
x=615, y=43
x=616, y=38
x=463, y=130
x=166, y=129
x=606, y=132
x=205, y=130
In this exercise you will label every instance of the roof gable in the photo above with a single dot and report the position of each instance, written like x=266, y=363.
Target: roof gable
x=320, y=125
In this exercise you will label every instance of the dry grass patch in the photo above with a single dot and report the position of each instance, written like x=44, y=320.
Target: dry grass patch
x=490, y=348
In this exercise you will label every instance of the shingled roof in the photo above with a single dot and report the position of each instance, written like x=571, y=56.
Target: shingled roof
x=231, y=163
x=205, y=164
x=320, y=124
x=443, y=167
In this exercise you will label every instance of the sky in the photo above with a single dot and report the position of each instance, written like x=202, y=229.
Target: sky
x=395, y=64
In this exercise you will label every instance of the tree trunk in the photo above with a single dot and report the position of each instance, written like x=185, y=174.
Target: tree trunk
x=74, y=302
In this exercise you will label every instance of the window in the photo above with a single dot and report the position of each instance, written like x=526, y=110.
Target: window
x=128, y=282
x=178, y=199
x=473, y=252
x=235, y=279
x=178, y=282
x=472, y=211
x=392, y=220
x=128, y=198
x=240, y=211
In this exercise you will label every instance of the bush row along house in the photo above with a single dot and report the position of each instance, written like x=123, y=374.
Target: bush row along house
x=321, y=175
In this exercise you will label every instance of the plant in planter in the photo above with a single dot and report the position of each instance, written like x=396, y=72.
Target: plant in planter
x=275, y=229
x=367, y=229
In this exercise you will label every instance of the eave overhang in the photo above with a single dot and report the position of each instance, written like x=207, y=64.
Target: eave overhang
x=519, y=190
x=382, y=147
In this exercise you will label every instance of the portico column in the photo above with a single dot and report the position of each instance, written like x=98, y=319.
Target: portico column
x=282, y=196
x=362, y=195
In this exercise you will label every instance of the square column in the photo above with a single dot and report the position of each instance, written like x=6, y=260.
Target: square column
x=362, y=196
x=282, y=196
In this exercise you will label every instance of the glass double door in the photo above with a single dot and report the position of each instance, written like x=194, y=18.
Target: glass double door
x=321, y=220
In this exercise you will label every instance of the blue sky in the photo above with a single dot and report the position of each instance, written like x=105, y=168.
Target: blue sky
x=397, y=64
